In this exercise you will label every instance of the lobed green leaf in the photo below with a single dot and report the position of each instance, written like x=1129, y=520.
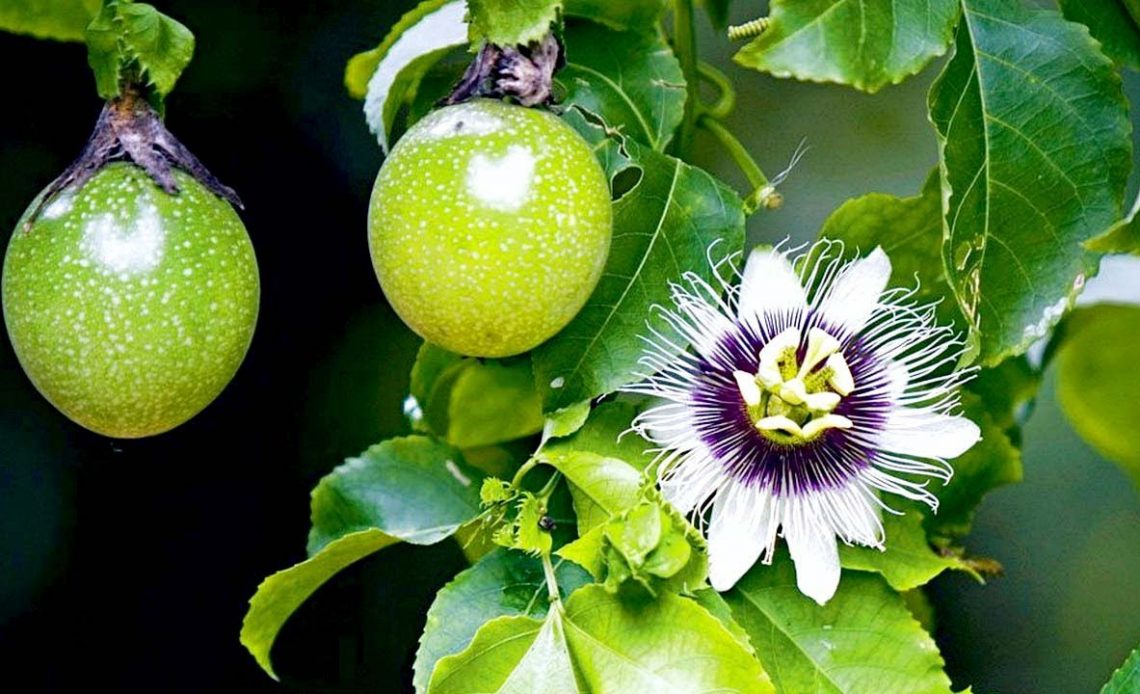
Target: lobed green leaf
x=61, y=20
x=1035, y=152
x=908, y=560
x=866, y=44
x=636, y=15
x=602, y=462
x=136, y=36
x=280, y=595
x=672, y=219
x=630, y=80
x=501, y=584
x=863, y=641
x=598, y=643
x=1110, y=23
x=414, y=489
x=1126, y=679
x=473, y=402
x=511, y=22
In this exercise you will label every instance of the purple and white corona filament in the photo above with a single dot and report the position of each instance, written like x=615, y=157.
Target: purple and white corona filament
x=810, y=390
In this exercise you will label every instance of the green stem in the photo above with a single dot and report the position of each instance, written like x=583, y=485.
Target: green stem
x=685, y=45
x=522, y=472
x=726, y=99
x=548, y=488
x=551, y=581
x=763, y=192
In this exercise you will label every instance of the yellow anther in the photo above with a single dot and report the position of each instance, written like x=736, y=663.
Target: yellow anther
x=819, y=347
x=841, y=380
x=749, y=390
x=793, y=392
x=780, y=424
x=781, y=348
x=819, y=425
x=822, y=402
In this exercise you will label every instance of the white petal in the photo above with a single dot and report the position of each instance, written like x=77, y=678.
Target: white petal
x=855, y=292
x=911, y=431
x=692, y=480
x=742, y=528
x=814, y=551
x=769, y=287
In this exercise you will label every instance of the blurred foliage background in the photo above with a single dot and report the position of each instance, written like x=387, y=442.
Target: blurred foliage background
x=128, y=564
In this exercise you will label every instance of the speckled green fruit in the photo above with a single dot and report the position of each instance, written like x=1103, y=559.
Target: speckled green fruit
x=489, y=226
x=131, y=309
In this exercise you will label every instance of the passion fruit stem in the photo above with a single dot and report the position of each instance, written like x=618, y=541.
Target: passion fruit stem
x=523, y=73
x=130, y=128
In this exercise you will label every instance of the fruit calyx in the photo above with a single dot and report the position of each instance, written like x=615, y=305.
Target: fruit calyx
x=523, y=73
x=130, y=128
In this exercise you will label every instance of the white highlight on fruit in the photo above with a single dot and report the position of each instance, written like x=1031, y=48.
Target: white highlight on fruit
x=125, y=250
x=58, y=207
x=451, y=123
x=504, y=182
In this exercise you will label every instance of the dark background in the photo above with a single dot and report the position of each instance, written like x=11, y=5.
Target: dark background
x=127, y=565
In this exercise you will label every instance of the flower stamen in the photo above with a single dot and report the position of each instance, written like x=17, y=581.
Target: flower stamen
x=789, y=402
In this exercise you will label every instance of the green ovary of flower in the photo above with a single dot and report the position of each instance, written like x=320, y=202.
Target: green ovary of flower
x=792, y=403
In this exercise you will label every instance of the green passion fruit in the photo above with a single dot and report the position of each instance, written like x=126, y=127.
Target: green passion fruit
x=130, y=308
x=489, y=226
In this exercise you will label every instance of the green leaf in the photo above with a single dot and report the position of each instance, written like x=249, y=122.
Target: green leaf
x=603, y=465
x=492, y=402
x=62, y=20
x=511, y=22
x=1122, y=237
x=502, y=584
x=281, y=594
x=665, y=225
x=566, y=421
x=652, y=545
x=586, y=551
x=1035, y=152
x=388, y=76
x=601, y=486
x=136, y=36
x=529, y=536
x=1096, y=381
x=631, y=80
x=717, y=607
x=992, y=462
x=864, y=640
x=1008, y=391
x=433, y=374
x=1126, y=680
x=473, y=402
x=414, y=489
x=668, y=644
x=1108, y=22
x=908, y=561
x=910, y=232
x=606, y=432
x=866, y=44
x=638, y=15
